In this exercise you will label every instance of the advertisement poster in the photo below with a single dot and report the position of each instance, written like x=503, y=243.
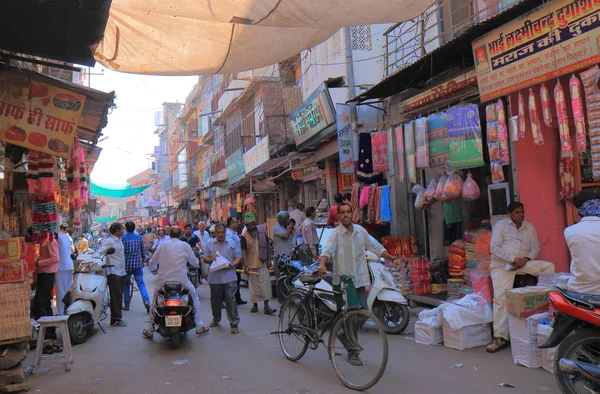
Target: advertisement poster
x=551, y=40
x=38, y=116
x=344, y=131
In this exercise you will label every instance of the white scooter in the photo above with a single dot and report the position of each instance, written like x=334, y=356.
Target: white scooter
x=384, y=300
x=87, y=301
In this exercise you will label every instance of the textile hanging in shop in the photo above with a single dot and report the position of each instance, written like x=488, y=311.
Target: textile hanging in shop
x=422, y=143
x=44, y=216
x=390, y=149
x=464, y=133
x=364, y=197
x=439, y=152
x=354, y=202
x=399, y=153
x=145, y=37
x=410, y=152
x=365, y=160
x=453, y=213
x=379, y=144
x=127, y=192
x=386, y=204
x=41, y=172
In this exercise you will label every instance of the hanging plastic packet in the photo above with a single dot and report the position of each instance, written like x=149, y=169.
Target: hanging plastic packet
x=497, y=172
x=439, y=189
x=420, y=202
x=513, y=128
x=470, y=189
x=538, y=139
x=546, y=111
x=452, y=187
x=502, y=133
x=579, y=118
x=430, y=192
x=522, y=119
x=563, y=120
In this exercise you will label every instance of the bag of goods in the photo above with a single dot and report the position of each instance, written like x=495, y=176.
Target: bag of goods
x=482, y=242
x=403, y=246
x=439, y=189
x=470, y=189
x=536, y=130
x=502, y=133
x=420, y=276
x=420, y=202
x=521, y=114
x=438, y=139
x=464, y=134
x=422, y=143
x=453, y=289
x=420, y=264
x=452, y=187
x=456, y=262
x=457, y=251
x=578, y=117
x=430, y=192
x=513, y=127
x=592, y=101
x=546, y=112
x=563, y=120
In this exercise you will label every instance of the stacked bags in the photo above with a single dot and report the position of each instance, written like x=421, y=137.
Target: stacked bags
x=420, y=277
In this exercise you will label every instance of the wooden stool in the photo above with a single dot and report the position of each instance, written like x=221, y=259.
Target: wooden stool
x=67, y=353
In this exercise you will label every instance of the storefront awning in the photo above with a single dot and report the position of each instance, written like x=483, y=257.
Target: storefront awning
x=284, y=162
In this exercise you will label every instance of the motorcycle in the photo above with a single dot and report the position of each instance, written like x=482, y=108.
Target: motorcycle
x=88, y=300
x=576, y=332
x=173, y=312
x=194, y=274
x=383, y=300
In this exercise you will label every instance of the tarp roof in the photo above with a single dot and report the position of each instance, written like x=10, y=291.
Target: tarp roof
x=184, y=37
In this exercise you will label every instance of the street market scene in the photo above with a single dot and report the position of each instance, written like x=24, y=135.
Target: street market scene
x=300, y=197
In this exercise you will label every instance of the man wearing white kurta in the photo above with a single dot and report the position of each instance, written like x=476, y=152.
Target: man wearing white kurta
x=170, y=262
x=64, y=276
x=515, y=248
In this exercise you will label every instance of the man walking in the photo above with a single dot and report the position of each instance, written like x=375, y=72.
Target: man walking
x=283, y=239
x=170, y=263
x=202, y=234
x=255, y=247
x=223, y=283
x=64, y=275
x=116, y=273
x=134, y=263
x=233, y=224
x=309, y=233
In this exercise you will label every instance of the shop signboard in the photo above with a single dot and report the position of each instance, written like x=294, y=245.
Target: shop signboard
x=345, y=138
x=554, y=39
x=257, y=155
x=235, y=167
x=315, y=115
x=457, y=88
x=306, y=172
x=38, y=116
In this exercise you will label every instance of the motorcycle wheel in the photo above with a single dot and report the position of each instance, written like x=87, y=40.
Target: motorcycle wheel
x=582, y=345
x=77, y=328
x=394, y=317
x=175, y=340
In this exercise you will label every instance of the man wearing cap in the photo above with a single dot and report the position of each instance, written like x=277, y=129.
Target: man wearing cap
x=64, y=275
x=255, y=249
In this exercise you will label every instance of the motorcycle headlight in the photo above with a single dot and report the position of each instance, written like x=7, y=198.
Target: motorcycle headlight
x=184, y=300
x=160, y=300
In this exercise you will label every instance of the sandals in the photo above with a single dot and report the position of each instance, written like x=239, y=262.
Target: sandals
x=125, y=308
x=270, y=311
x=213, y=324
x=202, y=331
x=254, y=309
x=147, y=334
x=118, y=323
x=235, y=330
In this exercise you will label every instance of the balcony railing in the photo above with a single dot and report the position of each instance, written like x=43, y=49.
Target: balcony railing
x=407, y=42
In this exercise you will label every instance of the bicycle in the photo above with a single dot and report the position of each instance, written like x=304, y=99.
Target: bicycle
x=305, y=316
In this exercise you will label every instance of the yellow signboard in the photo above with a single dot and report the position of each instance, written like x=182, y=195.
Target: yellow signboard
x=554, y=39
x=38, y=116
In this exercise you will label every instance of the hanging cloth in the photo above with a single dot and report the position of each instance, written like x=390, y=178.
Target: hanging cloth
x=365, y=160
x=364, y=197
x=379, y=143
x=386, y=205
x=368, y=207
x=354, y=202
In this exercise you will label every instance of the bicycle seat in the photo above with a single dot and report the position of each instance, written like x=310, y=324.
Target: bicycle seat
x=309, y=278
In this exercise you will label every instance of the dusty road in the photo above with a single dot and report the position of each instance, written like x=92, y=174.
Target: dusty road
x=123, y=362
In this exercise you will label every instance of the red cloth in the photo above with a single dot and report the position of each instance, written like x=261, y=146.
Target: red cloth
x=379, y=143
x=333, y=217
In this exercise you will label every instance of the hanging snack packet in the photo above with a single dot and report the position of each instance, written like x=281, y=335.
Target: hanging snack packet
x=538, y=139
x=577, y=107
x=452, y=187
x=522, y=119
x=439, y=189
x=470, y=189
x=563, y=120
x=513, y=128
x=546, y=112
x=420, y=202
x=430, y=192
x=497, y=172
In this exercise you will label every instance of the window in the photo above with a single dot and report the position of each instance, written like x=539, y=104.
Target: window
x=204, y=123
x=360, y=37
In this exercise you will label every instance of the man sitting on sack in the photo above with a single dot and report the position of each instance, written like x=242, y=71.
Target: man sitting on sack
x=514, y=249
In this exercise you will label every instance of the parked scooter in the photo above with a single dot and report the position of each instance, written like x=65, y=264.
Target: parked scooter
x=576, y=332
x=87, y=301
x=383, y=300
x=173, y=312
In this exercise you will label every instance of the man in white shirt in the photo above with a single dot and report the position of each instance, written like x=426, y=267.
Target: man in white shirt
x=170, y=263
x=515, y=248
x=116, y=274
x=583, y=239
x=233, y=224
x=202, y=235
x=64, y=275
x=298, y=215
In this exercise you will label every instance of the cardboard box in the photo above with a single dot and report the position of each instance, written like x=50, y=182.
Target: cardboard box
x=527, y=301
x=428, y=334
x=544, y=332
x=466, y=337
x=523, y=342
x=12, y=249
x=13, y=271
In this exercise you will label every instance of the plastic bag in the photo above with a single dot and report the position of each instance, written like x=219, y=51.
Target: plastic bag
x=422, y=143
x=464, y=134
x=563, y=120
x=470, y=310
x=452, y=187
x=420, y=202
x=219, y=264
x=522, y=119
x=536, y=130
x=513, y=127
x=439, y=189
x=502, y=133
x=578, y=117
x=470, y=189
x=430, y=192
x=546, y=112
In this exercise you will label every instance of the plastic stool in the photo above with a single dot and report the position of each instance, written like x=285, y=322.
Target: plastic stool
x=67, y=353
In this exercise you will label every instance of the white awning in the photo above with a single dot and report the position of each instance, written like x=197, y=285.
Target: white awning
x=183, y=37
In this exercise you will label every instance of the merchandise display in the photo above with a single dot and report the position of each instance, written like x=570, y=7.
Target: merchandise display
x=422, y=143
x=379, y=143
x=502, y=133
x=538, y=139
x=410, y=152
x=470, y=189
x=439, y=152
x=546, y=111
x=452, y=187
x=521, y=115
x=590, y=80
x=577, y=109
x=464, y=133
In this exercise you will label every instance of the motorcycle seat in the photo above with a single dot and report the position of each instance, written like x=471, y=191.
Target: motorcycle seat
x=172, y=287
x=582, y=298
x=308, y=278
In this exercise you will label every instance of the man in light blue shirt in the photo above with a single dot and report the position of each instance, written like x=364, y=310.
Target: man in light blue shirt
x=223, y=283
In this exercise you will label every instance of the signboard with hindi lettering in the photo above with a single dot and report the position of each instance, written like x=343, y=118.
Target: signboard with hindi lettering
x=554, y=39
x=38, y=116
x=344, y=131
x=314, y=116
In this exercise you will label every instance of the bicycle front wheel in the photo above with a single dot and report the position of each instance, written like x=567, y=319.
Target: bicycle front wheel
x=293, y=318
x=358, y=349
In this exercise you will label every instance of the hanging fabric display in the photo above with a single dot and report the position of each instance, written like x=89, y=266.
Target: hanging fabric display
x=386, y=205
x=422, y=143
x=464, y=133
x=536, y=130
x=578, y=117
x=354, y=200
x=546, y=111
x=379, y=145
x=437, y=135
x=502, y=133
x=521, y=114
x=43, y=216
x=399, y=153
x=410, y=152
x=493, y=138
x=365, y=160
x=390, y=150
x=592, y=102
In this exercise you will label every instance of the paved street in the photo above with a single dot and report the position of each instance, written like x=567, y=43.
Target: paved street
x=123, y=362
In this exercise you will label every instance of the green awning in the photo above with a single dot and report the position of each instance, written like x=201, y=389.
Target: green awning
x=106, y=219
x=126, y=192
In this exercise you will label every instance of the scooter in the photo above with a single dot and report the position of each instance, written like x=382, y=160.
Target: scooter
x=87, y=301
x=173, y=312
x=576, y=332
x=383, y=300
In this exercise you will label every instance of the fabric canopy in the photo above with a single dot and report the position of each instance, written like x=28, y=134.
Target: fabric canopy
x=106, y=219
x=183, y=37
x=127, y=192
